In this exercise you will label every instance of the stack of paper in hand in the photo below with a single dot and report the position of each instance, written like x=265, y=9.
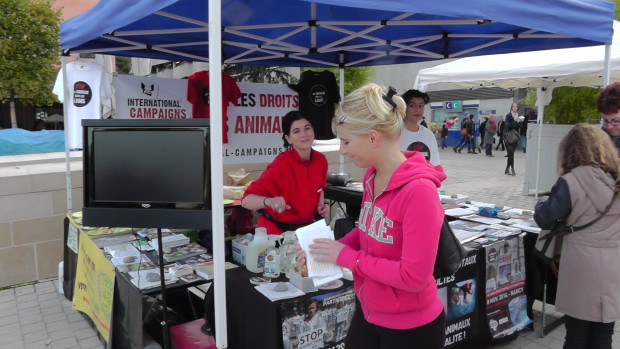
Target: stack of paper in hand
x=320, y=272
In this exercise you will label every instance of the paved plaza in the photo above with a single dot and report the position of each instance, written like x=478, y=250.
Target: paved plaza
x=36, y=316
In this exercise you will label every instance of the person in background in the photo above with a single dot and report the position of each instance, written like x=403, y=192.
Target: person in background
x=392, y=251
x=511, y=124
x=501, y=128
x=512, y=116
x=444, y=136
x=523, y=131
x=489, y=136
x=423, y=122
x=589, y=277
x=413, y=136
x=468, y=138
x=482, y=129
x=608, y=104
x=289, y=194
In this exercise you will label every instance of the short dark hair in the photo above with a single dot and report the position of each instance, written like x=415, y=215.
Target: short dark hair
x=287, y=121
x=415, y=94
x=608, y=101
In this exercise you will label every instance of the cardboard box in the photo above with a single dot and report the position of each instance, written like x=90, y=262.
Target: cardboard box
x=239, y=251
x=303, y=283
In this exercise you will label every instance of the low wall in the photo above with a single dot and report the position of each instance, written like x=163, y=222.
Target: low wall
x=33, y=204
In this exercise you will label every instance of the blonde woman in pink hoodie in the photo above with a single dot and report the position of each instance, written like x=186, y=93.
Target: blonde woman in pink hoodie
x=393, y=249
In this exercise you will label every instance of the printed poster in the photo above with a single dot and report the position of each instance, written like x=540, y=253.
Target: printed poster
x=255, y=124
x=317, y=322
x=506, y=301
x=459, y=295
x=94, y=285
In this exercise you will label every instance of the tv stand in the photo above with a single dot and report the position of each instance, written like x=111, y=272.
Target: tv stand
x=146, y=218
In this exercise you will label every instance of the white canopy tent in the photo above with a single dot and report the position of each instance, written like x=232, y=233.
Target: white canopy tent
x=544, y=70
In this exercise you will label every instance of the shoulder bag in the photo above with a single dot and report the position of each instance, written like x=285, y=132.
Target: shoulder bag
x=511, y=137
x=548, y=245
x=450, y=252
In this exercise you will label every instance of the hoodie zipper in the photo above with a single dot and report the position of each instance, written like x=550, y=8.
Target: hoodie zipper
x=374, y=199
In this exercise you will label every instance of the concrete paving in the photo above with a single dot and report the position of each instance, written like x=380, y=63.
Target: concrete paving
x=37, y=316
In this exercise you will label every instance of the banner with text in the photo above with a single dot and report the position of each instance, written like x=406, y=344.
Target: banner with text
x=459, y=295
x=140, y=97
x=506, y=301
x=255, y=124
x=318, y=322
x=94, y=285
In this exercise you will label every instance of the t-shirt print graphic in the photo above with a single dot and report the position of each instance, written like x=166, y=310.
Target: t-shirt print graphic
x=421, y=148
x=82, y=94
x=318, y=95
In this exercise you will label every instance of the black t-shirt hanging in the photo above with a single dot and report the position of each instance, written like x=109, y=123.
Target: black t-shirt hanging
x=318, y=92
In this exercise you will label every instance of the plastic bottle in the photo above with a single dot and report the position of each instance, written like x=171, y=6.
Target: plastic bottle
x=272, y=259
x=288, y=253
x=255, y=255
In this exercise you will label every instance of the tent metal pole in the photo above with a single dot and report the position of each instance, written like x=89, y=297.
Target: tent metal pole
x=541, y=98
x=217, y=170
x=341, y=87
x=65, y=111
x=607, y=65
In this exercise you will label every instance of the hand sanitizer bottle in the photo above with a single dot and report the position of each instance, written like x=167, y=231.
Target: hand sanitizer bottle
x=272, y=259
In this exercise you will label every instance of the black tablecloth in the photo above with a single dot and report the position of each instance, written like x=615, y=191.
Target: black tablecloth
x=254, y=322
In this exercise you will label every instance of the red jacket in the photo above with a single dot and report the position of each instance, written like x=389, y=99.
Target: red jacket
x=299, y=181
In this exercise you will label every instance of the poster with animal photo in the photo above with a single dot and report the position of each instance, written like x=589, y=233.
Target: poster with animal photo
x=506, y=301
x=459, y=294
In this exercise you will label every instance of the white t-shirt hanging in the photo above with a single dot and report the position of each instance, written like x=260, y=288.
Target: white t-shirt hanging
x=88, y=86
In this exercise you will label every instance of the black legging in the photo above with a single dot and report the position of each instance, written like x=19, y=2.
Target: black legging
x=364, y=335
x=510, y=162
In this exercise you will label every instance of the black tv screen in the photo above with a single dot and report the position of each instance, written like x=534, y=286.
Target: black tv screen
x=146, y=164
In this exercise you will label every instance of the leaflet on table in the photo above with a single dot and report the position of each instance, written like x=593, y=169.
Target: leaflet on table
x=481, y=219
x=320, y=272
x=180, y=252
x=126, y=260
x=122, y=250
x=104, y=241
x=457, y=212
x=268, y=291
x=206, y=269
x=142, y=265
x=150, y=278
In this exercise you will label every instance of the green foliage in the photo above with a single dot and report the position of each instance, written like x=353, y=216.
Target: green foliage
x=354, y=77
x=258, y=74
x=28, y=50
x=123, y=64
x=569, y=105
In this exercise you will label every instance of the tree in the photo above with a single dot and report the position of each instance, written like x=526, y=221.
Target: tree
x=570, y=105
x=123, y=64
x=28, y=52
x=258, y=74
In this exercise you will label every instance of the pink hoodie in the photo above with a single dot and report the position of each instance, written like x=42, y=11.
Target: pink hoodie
x=392, y=251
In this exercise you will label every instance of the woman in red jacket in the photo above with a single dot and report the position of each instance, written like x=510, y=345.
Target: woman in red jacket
x=289, y=194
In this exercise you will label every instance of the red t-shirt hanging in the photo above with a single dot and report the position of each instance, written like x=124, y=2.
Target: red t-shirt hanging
x=198, y=95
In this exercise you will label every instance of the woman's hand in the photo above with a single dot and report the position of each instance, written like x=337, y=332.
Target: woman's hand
x=322, y=209
x=326, y=250
x=301, y=259
x=277, y=204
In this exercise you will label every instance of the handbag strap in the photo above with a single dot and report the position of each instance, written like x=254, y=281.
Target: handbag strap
x=574, y=229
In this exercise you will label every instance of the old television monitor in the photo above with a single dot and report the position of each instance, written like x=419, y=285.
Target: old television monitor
x=147, y=173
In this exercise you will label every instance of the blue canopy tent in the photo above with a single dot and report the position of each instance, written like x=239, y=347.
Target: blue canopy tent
x=324, y=33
